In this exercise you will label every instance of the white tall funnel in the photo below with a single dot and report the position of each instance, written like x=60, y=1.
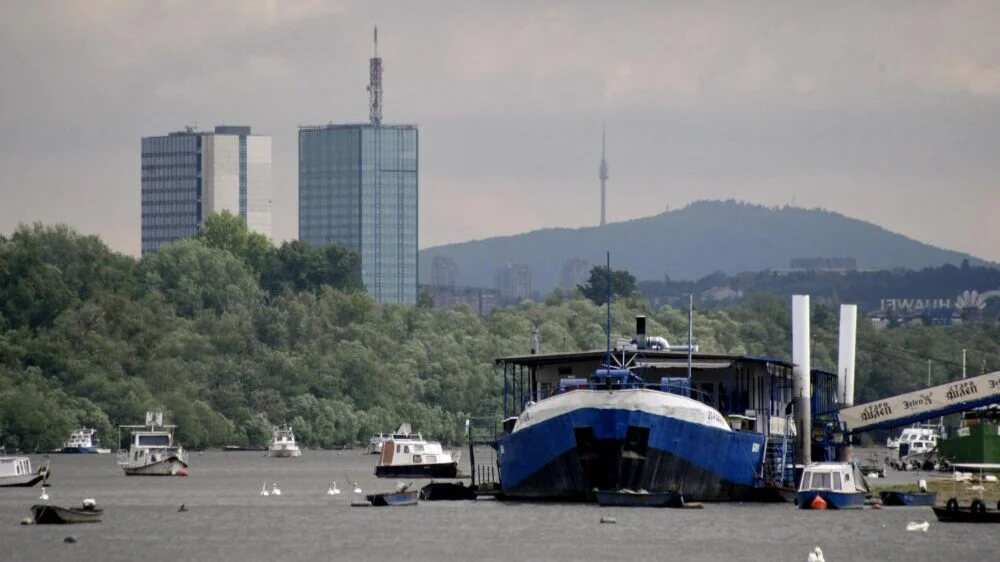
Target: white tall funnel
x=800, y=378
x=846, y=351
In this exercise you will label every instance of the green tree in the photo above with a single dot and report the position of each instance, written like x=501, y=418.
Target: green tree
x=622, y=284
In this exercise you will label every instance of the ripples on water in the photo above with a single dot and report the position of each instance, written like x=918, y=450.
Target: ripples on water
x=228, y=521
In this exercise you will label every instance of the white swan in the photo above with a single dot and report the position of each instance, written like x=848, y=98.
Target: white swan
x=357, y=489
x=45, y=494
x=816, y=555
x=914, y=526
x=263, y=490
x=275, y=490
x=333, y=489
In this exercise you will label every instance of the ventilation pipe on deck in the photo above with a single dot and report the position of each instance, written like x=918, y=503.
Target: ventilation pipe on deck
x=800, y=378
x=845, y=365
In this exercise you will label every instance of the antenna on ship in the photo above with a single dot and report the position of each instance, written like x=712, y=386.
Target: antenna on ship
x=608, y=358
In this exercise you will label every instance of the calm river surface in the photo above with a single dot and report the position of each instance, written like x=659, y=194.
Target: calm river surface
x=228, y=521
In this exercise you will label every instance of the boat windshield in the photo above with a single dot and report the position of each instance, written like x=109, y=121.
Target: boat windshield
x=153, y=440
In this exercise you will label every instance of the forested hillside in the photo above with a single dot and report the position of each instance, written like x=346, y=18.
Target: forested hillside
x=229, y=335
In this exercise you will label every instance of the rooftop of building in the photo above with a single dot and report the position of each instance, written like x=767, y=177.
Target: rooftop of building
x=354, y=126
x=219, y=130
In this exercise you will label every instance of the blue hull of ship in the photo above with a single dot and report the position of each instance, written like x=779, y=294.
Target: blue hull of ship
x=834, y=500
x=572, y=455
x=79, y=450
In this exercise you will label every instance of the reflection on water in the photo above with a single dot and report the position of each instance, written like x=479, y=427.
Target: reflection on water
x=228, y=520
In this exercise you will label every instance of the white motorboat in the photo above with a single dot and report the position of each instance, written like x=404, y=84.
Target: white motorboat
x=152, y=451
x=283, y=444
x=17, y=471
x=83, y=441
x=920, y=438
x=407, y=454
x=375, y=443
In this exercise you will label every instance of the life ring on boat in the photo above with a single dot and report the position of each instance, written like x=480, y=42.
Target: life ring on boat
x=977, y=506
x=952, y=505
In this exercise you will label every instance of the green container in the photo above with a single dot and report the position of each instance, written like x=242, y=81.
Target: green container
x=975, y=443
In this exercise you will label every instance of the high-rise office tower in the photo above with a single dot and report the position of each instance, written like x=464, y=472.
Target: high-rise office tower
x=358, y=186
x=188, y=175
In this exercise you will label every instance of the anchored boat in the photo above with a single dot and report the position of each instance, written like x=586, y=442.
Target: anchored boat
x=831, y=485
x=283, y=443
x=152, y=451
x=83, y=441
x=408, y=454
x=44, y=514
x=18, y=472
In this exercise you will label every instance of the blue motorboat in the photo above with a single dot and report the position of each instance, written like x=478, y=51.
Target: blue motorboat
x=84, y=441
x=408, y=497
x=831, y=485
x=894, y=497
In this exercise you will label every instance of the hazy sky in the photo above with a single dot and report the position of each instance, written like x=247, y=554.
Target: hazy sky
x=888, y=111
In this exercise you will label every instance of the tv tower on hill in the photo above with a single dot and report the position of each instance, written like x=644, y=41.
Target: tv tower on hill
x=604, y=178
x=375, y=86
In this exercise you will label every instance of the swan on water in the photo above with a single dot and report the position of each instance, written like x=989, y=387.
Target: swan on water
x=333, y=488
x=263, y=490
x=275, y=490
x=914, y=526
x=45, y=494
x=816, y=555
x=357, y=489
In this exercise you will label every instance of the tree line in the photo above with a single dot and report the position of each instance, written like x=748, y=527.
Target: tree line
x=230, y=335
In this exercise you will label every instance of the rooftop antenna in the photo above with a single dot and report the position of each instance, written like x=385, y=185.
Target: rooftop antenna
x=375, y=86
x=603, y=174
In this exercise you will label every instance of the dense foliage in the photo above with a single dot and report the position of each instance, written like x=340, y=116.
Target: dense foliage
x=229, y=335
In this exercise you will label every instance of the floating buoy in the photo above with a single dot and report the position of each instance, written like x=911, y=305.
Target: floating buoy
x=607, y=519
x=818, y=503
x=876, y=506
x=27, y=521
x=70, y=538
x=182, y=472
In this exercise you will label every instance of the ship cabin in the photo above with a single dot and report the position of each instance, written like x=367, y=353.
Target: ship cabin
x=752, y=393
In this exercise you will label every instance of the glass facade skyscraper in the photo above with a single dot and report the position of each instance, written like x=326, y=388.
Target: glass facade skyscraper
x=189, y=175
x=358, y=187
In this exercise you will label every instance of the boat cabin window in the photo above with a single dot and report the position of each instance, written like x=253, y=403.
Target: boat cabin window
x=837, y=486
x=399, y=448
x=153, y=440
x=820, y=481
x=406, y=448
x=416, y=458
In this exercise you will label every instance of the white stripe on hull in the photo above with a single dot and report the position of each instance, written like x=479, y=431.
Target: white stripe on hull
x=642, y=399
x=166, y=467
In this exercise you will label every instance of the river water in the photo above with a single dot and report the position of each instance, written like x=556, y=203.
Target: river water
x=228, y=521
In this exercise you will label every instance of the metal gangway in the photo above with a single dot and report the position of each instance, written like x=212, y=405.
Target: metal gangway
x=920, y=405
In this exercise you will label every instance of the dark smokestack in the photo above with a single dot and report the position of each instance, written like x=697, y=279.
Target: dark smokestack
x=640, y=332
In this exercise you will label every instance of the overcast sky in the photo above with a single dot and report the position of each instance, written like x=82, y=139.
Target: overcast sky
x=889, y=111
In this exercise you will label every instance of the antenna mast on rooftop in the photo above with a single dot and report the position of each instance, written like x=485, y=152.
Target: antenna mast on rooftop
x=375, y=86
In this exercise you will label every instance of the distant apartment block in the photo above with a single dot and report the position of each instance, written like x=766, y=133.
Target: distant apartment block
x=444, y=272
x=358, y=188
x=190, y=174
x=575, y=271
x=514, y=283
x=482, y=301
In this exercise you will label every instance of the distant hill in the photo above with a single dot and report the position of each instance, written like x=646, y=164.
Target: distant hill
x=689, y=243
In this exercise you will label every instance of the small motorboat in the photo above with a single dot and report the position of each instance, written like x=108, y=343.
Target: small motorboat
x=831, y=485
x=447, y=491
x=402, y=496
x=409, y=455
x=283, y=444
x=897, y=497
x=45, y=514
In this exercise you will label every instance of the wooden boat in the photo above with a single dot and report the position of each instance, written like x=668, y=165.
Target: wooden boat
x=630, y=498
x=45, y=514
x=896, y=497
x=976, y=512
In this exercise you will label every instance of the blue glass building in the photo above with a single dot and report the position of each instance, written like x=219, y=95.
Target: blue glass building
x=358, y=187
